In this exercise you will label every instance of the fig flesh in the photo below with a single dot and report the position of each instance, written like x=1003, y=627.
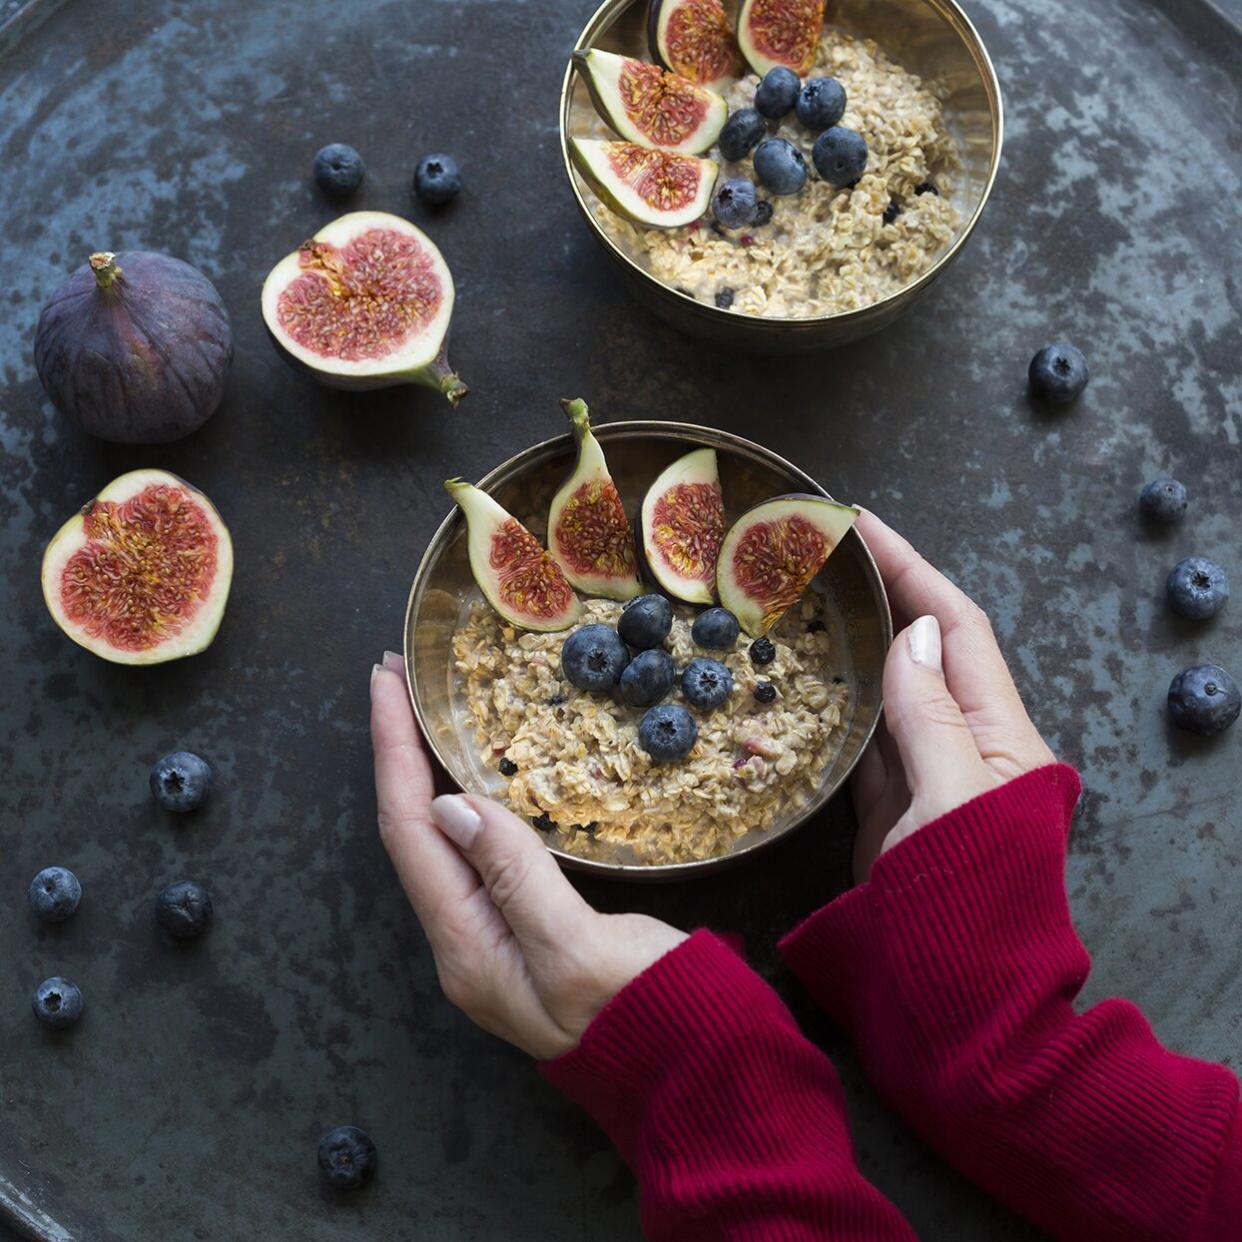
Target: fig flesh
x=683, y=525
x=772, y=552
x=650, y=106
x=693, y=38
x=780, y=32
x=141, y=574
x=655, y=188
x=517, y=577
x=365, y=303
x=589, y=535
x=135, y=347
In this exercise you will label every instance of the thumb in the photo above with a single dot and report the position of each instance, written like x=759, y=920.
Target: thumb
x=535, y=899
x=942, y=764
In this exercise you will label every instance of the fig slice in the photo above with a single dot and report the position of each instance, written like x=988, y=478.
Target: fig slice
x=365, y=303
x=780, y=32
x=655, y=188
x=772, y=552
x=140, y=574
x=589, y=536
x=683, y=525
x=517, y=577
x=693, y=38
x=650, y=106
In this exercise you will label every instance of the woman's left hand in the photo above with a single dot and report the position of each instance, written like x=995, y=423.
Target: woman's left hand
x=516, y=948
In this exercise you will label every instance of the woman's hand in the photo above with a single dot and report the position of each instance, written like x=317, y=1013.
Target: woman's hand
x=954, y=726
x=515, y=946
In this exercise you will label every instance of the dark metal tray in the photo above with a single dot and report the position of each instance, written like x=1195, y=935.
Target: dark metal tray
x=188, y=1102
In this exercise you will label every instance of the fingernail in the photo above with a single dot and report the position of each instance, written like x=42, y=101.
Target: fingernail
x=923, y=638
x=457, y=819
x=375, y=672
x=393, y=662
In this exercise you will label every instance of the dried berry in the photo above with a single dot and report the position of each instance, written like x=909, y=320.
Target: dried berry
x=762, y=651
x=508, y=767
x=544, y=822
x=765, y=692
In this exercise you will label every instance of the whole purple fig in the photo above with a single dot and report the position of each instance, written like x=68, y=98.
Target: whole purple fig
x=135, y=347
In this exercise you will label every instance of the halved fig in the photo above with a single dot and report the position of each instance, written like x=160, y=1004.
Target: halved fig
x=693, y=38
x=780, y=32
x=365, y=303
x=589, y=536
x=647, y=105
x=141, y=573
x=517, y=577
x=655, y=188
x=772, y=552
x=683, y=525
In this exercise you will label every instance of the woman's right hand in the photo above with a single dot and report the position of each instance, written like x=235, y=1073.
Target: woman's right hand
x=954, y=726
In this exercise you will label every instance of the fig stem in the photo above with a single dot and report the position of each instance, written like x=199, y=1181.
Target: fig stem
x=443, y=377
x=576, y=408
x=103, y=264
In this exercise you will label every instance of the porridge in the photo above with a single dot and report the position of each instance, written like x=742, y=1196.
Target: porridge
x=572, y=759
x=825, y=249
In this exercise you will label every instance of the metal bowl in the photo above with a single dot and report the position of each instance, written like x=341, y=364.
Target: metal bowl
x=932, y=38
x=857, y=611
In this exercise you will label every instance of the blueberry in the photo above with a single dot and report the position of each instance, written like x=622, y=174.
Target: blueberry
x=1057, y=374
x=1204, y=699
x=706, y=684
x=54, y=894
x=763, y=213
x=181, y=781
x=667, y=733
x=736, y=203
x=741, y=132
x=184, y=909
x=646, y=621
x=765, y=692
x=821, y=103
x=57, y=1002
x=507, y=767
x=1163, y=500
x=437, y=179
x=338, y=169
x=926, y=187
x=716, y=629
x=593, y=657
x=647, y=678
x=778, y=92
x=840, y=155
x=780, y=166
x=724, y=298
x=892, y=211
x=762, y=651
x=1197, y=588
x=347, y=1157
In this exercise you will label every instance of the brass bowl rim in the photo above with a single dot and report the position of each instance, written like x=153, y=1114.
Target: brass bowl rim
x=970, y=36
x=679, y=432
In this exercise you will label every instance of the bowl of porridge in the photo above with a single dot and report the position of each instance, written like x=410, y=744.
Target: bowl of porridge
x=829, y=263
x=499, y=713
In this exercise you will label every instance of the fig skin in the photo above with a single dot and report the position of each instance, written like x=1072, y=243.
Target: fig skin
x=135, y=348
x=831, y=520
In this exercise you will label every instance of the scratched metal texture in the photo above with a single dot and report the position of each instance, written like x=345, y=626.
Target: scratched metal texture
x=188, y=1101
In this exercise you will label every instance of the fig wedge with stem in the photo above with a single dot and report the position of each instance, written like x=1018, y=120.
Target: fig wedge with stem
x=650, y=106
x=589, y=536
x=771, y=554
x=517, y=577
x=682, y=525
x=365, y=303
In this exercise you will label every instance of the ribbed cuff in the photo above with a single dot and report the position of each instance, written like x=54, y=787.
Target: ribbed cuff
x=982, y=872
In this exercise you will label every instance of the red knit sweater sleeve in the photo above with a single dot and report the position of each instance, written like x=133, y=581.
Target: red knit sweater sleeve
x=733, y=1123
x=954, y=970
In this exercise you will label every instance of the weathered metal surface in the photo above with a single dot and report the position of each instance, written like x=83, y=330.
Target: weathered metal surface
x=188, y=1102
